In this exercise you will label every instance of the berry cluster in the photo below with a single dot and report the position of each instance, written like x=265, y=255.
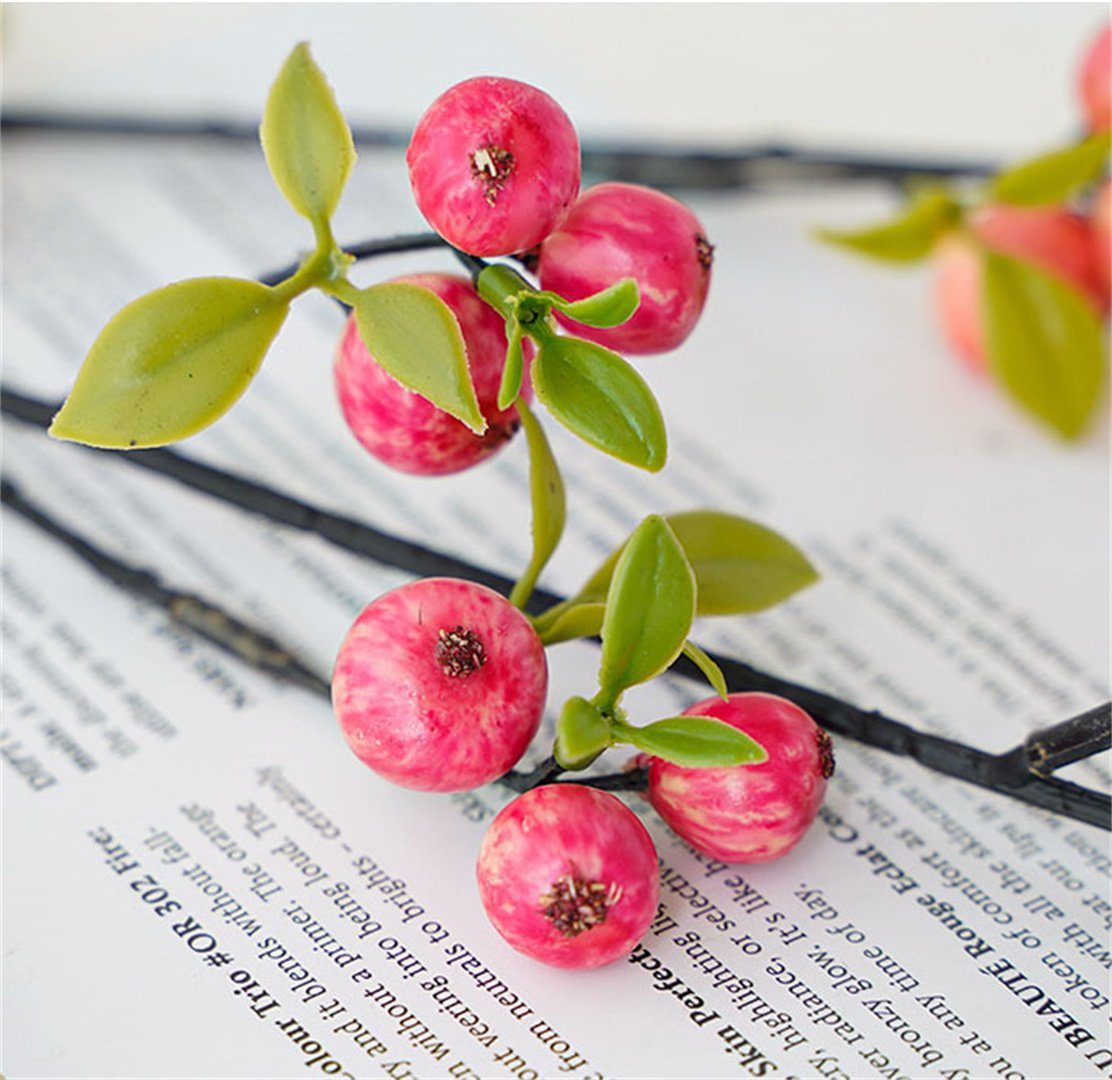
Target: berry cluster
x=441, y=685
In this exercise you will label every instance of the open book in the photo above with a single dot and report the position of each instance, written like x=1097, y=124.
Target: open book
x=202, y=881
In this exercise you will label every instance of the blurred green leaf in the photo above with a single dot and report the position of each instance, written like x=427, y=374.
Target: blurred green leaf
x=740, y=566
x=306, y=140
x=694, y=742
x=582, y=733
x=170, y=363
x=1044, y=343
x=599, y=397
x=649, y=608
x=1055, y=177
x=414, y=336
x=906, y=238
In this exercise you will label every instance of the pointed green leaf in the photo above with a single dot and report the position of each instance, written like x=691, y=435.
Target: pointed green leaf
x=170, y=363
x=413, y=334
x=906, y=238
x=1044, y=343
x=708, y=667
x=649, y=608
x=1055, y=177
x=582, y=733
x=694, y=742
x=305, y=138
x=740, y=567
x=599, y=397
x=578, y=621
x=611, y=307
x=546, y=489
x=514, y=368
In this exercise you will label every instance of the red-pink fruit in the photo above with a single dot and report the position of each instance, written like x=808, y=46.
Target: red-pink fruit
x=440, y=685
x=494, y=165
x=569, y=876
x=1101, y=221
x=1094, y=82
x=1049, y=237
x=749, y=813
x=617, y=231
x=407, y=431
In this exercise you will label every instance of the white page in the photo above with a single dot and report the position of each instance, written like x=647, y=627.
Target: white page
x=965, y=590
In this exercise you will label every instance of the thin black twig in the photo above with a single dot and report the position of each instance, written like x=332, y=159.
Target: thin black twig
x=247, y=643
x=1023, y=778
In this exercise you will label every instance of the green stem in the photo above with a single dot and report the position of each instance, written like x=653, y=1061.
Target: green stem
x=325, y=266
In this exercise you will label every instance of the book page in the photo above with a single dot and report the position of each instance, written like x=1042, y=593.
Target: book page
x=202, y=880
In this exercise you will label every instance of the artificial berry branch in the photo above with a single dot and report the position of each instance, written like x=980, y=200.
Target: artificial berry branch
x=440, y=685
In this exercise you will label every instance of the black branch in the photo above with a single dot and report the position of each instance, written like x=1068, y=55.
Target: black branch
x=1022, y=773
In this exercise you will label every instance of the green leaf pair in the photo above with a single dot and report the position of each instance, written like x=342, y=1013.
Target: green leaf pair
x=592, y=391
x=645, y=621
x=583, y=732
x=740, y=567
x=907, y=238
x=175, y=360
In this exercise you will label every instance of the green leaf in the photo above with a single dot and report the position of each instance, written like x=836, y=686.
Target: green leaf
x=1044, y=343
x=649, y=608
x=582, y=733
x=171, y=363
x=1054, y=177
x=693, y=741
x=305, y=138
x=577, y=621
x=740, y=567
x=611, y=307
x=708, y=667
x=906, y=238
x=546, y=489
x=413, y=334
x=599, y=397
x=514, y=367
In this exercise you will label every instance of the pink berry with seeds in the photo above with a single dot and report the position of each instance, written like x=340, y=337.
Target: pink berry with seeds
x=403, y=429
x=494, y=165
x=617, y=231
x=440, y=685
x=569, y=876
x=749, y=813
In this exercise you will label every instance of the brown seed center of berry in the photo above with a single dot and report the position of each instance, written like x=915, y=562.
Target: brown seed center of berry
x=492, y=167
x=459, y=652
x=704, y=252
x=573, y=904
x=826, y=754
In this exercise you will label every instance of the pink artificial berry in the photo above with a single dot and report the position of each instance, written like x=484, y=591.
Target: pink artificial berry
x=749, y=813
x=1094, y=82
x=616, y=231
x=494, y=165
x=440, y=685
x=405, y=430
x=569, y=876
